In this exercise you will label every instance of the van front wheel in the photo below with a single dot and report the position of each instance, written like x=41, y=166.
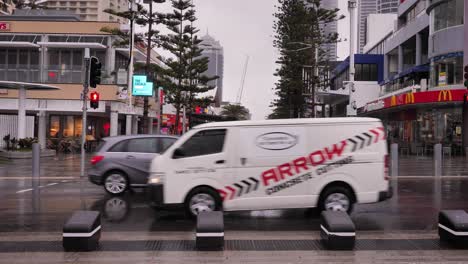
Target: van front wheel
x=202, y=199
x=336, y=198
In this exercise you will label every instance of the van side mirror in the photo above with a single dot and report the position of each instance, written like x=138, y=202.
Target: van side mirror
x=178, y=153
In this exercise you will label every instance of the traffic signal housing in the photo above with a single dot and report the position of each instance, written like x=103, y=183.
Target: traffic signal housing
x=95, y=72
x=94, y=100
x=465, y=75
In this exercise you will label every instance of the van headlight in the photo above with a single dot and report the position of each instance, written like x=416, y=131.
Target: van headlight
x=156, y=178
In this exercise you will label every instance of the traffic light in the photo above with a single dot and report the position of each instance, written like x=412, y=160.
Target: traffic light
x=466, y=76
x=94, y=100
x=95, y=72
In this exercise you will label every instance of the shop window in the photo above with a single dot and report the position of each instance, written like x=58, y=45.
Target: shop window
x=68, y=128
x=78, y=126
x=447, y=72
x=54, y=130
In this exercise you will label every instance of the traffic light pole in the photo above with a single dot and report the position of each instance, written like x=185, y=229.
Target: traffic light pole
x=84, y=96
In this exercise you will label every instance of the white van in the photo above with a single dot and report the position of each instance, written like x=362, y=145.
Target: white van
x=330, y=163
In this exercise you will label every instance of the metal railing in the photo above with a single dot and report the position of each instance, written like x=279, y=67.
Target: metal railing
x=48, y=74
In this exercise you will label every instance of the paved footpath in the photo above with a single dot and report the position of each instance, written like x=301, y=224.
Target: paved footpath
x=240, y=247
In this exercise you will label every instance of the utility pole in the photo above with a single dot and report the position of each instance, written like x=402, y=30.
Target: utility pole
x=352, y=4
x=130, y=69
x=148, y=66
x=84, y=96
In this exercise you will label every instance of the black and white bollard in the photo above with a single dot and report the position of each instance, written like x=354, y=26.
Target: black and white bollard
x=337, y=230
x=210, y=231
x=453, y=227
x=82, y=231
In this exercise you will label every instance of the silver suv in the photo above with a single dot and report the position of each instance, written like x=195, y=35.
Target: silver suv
x=124, y=161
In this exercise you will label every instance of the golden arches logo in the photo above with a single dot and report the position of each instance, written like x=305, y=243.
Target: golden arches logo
x=393, y=101
x=445, y=95
x=409, y=98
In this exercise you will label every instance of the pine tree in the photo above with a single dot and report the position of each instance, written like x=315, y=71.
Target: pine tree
x=142, y=17
x=299, y=35
x=184, y=79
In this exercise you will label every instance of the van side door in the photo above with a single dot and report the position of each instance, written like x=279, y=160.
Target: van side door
x=269, y=171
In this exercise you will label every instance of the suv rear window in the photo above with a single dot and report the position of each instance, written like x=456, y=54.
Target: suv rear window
x=100, y=145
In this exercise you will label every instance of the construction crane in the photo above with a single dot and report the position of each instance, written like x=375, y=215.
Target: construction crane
x=241, y=88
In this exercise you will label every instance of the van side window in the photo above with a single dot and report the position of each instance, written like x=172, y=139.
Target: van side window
x=204, y=143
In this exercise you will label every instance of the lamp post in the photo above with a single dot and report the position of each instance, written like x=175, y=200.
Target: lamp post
x=352, y=5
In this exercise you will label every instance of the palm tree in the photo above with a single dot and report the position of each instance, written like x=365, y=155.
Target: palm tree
x=28, y=4
x=236, y=111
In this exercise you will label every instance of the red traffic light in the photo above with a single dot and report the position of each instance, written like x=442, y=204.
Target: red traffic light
x=94, y=100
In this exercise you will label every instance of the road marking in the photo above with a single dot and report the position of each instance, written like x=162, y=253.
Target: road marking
x=41, y=178
x=23, y=191
x=40, y=187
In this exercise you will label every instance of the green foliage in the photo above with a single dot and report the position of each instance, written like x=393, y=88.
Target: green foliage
x=28, y=4
x=26, y=143
x=299, y=35
x=183, y=79
x=235, y=111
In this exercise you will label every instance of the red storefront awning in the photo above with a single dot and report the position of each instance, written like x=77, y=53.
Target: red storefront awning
x=435, y=97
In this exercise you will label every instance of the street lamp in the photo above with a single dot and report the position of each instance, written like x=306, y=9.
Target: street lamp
x=352, y=5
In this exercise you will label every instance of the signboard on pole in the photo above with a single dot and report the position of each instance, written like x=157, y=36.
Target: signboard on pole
x=141, y=87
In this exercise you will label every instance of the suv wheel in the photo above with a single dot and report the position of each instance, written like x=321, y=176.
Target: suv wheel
x=116, y=183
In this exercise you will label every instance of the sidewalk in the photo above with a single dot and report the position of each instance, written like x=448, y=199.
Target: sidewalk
x=424, y=166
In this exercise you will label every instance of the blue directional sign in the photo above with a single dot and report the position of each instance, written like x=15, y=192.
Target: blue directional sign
x=141, y=87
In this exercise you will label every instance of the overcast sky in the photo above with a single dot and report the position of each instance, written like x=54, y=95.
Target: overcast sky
x=245, y=27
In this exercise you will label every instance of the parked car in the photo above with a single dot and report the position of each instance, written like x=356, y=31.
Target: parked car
x=124, y=161
x=329, y=163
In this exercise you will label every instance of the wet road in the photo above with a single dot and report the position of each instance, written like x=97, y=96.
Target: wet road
x=46, y=207
x=400, y=230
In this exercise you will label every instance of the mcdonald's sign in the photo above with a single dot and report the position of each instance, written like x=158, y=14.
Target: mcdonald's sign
x=445, y=95
x=393, y=102
x=409, y=98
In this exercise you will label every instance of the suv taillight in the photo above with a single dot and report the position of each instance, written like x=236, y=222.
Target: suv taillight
x=387, y=166
x=96, y=159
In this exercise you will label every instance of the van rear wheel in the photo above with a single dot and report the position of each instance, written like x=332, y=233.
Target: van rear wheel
x=336, y=198
x=202, y=199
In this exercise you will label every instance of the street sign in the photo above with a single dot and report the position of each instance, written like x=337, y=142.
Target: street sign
x=141, y=87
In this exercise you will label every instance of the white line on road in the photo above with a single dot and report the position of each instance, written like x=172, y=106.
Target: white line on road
x=41, y=186
x=22, y=191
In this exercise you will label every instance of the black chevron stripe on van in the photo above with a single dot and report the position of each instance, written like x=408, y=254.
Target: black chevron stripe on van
x=369, y=137
x=354, y=144
x=255, y=181
x=248, y=184
x=362, y=140
x=238, y=186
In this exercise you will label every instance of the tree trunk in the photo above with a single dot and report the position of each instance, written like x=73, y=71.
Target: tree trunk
x=176, y=125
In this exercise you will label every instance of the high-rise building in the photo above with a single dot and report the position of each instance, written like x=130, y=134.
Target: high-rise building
x=6, y=7
x=214, y=51
x=367, y=7
x=90, y=10
x=329, y=28
x=387, y=6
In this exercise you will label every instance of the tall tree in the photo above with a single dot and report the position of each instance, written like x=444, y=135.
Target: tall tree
x=146, y=18
x=300, y=36
x=184, y=78
x=235, y=111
